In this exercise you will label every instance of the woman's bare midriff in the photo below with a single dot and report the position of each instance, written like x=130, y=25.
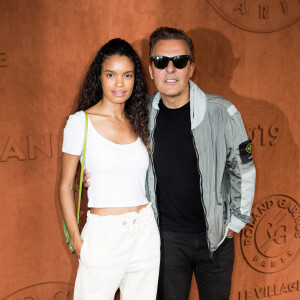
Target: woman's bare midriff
x=115, y=210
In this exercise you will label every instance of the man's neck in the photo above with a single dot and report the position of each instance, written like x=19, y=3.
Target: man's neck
x=175, y=102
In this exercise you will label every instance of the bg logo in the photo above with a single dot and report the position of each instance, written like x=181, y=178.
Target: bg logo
x=259, y=15
x=46, y=290
x=270, y=242
x=3, y=59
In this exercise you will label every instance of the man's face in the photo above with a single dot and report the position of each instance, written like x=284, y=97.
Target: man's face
x=171, y=82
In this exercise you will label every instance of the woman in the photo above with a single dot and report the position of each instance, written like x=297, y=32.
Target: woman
x=119, y=245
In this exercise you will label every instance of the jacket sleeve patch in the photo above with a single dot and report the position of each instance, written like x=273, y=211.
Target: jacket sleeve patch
x=246, y=151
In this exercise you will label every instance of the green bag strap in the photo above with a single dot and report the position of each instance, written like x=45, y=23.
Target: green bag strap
x=82, y=165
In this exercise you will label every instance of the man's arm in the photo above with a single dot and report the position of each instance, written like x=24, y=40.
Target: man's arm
x=241, y=170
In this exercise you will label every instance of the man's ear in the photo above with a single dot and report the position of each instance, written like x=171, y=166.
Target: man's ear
x=150, y=71
x=192, y=67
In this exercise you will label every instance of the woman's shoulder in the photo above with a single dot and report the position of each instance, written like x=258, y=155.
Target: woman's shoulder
x=74, y=134
x=76, y=120
x=77, y=117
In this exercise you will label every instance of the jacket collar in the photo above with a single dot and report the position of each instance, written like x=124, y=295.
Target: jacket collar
x=198, y=104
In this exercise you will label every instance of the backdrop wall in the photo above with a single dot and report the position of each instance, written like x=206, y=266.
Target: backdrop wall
x=247, y=51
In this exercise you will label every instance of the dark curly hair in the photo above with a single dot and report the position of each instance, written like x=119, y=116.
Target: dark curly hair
x=136, y=106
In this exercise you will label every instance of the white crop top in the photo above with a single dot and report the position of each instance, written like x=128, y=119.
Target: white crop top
x=118, y=172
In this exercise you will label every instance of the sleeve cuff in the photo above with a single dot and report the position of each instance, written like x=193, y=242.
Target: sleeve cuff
x=236, y=224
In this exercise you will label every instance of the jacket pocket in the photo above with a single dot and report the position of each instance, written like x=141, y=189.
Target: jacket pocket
x=220, y=198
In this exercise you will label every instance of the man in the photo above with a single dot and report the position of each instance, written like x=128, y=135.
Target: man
x=201, y=180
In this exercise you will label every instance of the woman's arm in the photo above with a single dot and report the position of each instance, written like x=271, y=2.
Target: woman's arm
x=66, y=198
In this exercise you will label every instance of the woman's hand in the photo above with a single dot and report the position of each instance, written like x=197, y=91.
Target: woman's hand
x=66, y=197
x=77, y=243
x=230, y=234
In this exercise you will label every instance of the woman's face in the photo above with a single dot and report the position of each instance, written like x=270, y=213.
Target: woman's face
x=117, y=79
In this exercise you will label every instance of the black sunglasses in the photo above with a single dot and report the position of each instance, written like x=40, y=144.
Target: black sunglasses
x=179, y=61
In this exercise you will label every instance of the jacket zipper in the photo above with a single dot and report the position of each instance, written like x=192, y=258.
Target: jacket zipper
x=152, y=162
x=201, y=190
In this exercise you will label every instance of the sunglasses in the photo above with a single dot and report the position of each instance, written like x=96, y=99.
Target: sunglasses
x=179, y=61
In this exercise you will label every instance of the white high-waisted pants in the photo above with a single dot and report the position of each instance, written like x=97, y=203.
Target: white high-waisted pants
x=119, y=251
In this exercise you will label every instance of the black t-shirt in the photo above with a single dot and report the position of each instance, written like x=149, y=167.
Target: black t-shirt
x=178, y=179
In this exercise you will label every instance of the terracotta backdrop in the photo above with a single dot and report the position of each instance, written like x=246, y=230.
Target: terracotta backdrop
x=247, y=51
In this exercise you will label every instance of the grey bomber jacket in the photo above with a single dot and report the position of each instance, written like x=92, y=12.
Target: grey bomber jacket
x=224, y=152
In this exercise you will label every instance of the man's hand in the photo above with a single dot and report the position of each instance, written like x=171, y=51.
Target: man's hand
x=230, y=234
x=86, y=176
